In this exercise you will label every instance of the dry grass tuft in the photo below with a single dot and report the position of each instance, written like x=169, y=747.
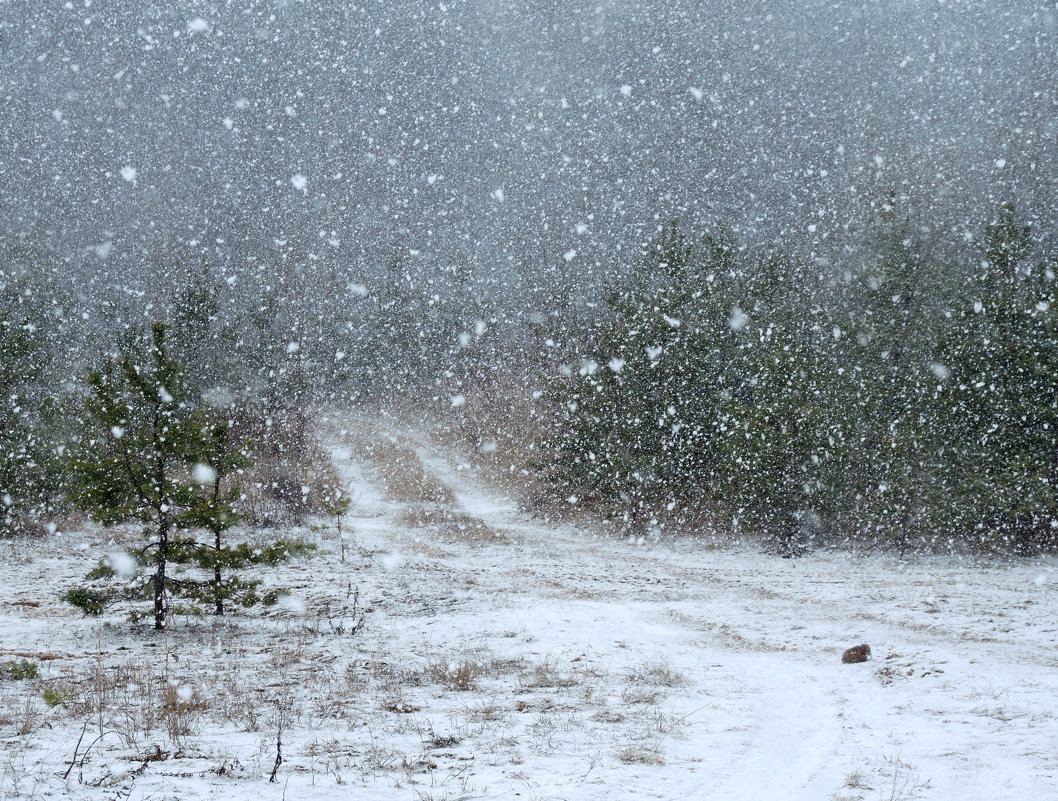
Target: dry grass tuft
x=548, y=674
x=470, y=530
x=656, y=673
x=461, y=675
x=607, y=715
x=637, y=754
x=636, y=694
x=398, y=705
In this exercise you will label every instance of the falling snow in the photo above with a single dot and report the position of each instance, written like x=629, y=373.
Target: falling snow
x=528, y=399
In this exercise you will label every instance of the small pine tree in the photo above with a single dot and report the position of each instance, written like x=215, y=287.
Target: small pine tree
x=146, y=456
x=218, y=458
x=337, y=506
x=130, y=462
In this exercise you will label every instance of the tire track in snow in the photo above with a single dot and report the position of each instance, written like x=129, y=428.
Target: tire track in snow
x=777, y=628
x=785, y=746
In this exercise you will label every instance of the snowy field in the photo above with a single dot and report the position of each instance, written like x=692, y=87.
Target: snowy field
x=500, y=657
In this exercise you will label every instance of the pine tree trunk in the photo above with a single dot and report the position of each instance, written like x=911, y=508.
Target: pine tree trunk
x=163, y=529
x=217, y=585
x=219, y=610
x=159, y=575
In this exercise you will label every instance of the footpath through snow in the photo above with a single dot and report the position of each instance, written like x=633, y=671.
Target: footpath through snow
x=502, y=657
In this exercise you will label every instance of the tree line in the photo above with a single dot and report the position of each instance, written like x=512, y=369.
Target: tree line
x=908, y=398
x=903, y=394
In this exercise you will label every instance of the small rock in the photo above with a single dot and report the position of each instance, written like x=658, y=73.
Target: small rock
x=861, y=653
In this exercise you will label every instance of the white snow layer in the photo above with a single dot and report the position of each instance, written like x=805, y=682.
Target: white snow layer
x=503, y=657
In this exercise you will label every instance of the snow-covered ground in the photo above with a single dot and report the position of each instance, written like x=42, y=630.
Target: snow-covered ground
x=501, y=657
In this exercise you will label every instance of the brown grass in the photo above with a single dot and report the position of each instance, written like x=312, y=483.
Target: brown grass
x=452, y=525
x=656, y=673
x=640, y=755
x=429, y=503
x=548, y=674
x=402, y=474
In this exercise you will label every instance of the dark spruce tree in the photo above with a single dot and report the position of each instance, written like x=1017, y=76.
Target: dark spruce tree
x=778, y=437
x=1001, y=400
x=30, y=478
x=896, y=306
x=635, y=424
x=18, y=369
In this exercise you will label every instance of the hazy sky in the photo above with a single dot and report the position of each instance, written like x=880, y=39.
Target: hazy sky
x=508, y=135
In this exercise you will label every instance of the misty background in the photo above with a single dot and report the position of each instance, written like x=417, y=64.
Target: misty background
x=773, y=269
x=519, y=141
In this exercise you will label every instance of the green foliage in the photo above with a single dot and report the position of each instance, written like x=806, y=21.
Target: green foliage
x=338, y=505
x=147, y=455
x=893, y=311
x=222, y=563
x=130, y=462
x=902, y=404
x=706, y=387
x=138, y=432
x=91, y=602
x=1006, y=244
x=776, y=439
x=194, y=587
x=104, y=570
x=217, y=458
x=1004, y=385
x=207, y=578
x=18, y=670
x=27, y=479
x=55, y=696
x=630, y=422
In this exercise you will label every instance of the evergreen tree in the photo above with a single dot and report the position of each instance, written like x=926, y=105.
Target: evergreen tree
x=779, y=452
x=30, y=480
x=1002, y=399
x=894, y=313
x=197, y=335
x=636, y=418
x=218, y=458
x=130, y=463
x=148, y=456
x=915, y=405
x=19, y=367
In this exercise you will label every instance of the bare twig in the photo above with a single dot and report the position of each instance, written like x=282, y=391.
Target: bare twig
x=279, y=746
x=73, y=760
